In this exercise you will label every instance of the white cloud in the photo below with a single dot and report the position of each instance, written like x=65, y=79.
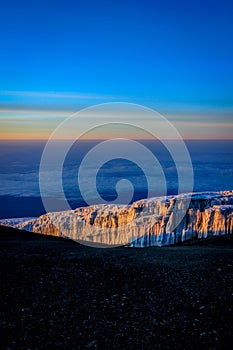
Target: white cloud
x=52, y=94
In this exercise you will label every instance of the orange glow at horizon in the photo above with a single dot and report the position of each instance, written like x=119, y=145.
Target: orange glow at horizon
x=29, y=125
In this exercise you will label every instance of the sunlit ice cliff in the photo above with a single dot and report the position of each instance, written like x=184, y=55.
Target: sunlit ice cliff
x=155, y=221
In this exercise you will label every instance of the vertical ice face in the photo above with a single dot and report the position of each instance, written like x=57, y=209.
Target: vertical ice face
x=150, y=222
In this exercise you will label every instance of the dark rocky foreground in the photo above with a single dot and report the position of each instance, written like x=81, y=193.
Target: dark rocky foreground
x=57, y=294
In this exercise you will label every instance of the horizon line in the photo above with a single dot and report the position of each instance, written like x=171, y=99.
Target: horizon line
x=133, y=138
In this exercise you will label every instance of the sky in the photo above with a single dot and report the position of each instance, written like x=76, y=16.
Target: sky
x=174, y=56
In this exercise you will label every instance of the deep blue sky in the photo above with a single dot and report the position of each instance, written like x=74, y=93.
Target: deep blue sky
x=171, y=53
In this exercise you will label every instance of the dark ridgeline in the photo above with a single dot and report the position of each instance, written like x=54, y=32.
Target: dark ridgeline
x=56, y=293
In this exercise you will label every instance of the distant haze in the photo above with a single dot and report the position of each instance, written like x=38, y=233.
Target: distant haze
x=212, y=165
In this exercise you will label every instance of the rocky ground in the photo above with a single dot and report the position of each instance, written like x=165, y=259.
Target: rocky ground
x=57, y=294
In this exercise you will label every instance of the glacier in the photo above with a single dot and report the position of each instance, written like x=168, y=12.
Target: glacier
x=147, y=222
x=13, y=222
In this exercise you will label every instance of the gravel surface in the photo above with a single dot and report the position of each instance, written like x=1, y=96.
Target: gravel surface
x=58, y=294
